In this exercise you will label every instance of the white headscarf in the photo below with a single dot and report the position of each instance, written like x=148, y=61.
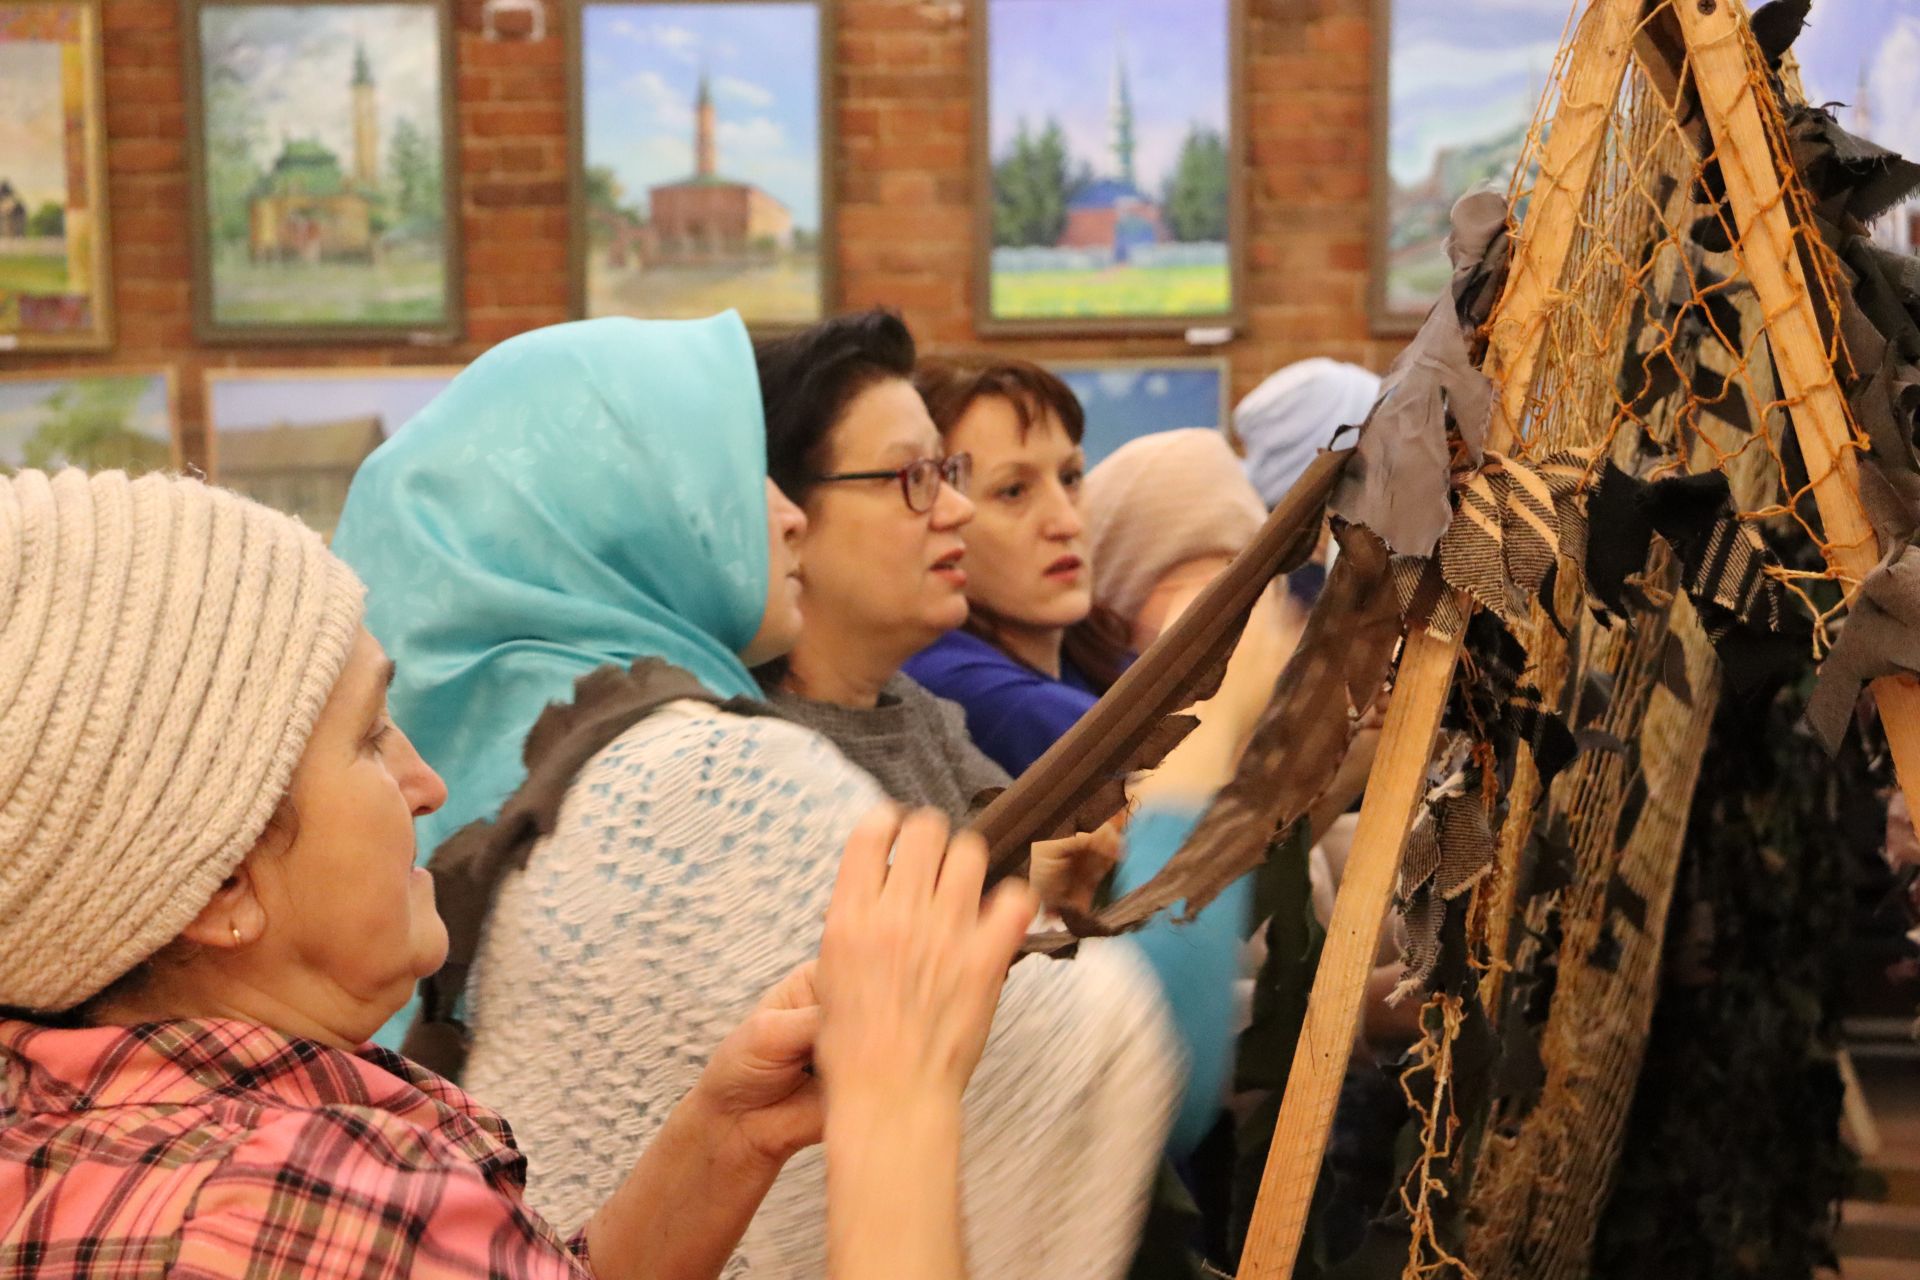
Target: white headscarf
x=1294, y=414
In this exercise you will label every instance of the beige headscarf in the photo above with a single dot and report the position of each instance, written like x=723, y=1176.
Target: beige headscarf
x=165, y=648
x=1160, y=501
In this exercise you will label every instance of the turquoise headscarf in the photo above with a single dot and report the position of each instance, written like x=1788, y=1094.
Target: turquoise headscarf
x=584, y=494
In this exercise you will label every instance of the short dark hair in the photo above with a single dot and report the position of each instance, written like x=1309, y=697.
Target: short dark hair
x=808, y=378
x=950, y=385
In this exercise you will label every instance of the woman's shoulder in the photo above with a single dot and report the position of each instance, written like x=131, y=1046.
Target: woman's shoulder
x=960, y=664
x=694, y=761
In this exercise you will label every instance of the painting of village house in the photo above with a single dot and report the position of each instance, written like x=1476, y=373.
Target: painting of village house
x=1110, y=142
x=53, y=234
x=1459, y=88
x=103, y=420
x=323, y=176
x=293, y=438
x=700, y=185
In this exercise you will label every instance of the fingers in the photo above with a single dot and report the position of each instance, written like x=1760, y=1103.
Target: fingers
x=863, y=867
x=957, y=898
x=917, y=854
x=795, y=991
x=783, y=1037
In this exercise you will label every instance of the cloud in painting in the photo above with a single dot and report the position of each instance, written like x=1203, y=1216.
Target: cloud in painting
x=643, y=66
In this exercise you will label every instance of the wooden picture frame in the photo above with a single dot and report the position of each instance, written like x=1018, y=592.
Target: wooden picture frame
x=1144, y=213
x=34, y=317
x=101, y=454
x=314, y=219
x=681, y=266
x=1403, y=282
x=308, y=477
x=1107, y=430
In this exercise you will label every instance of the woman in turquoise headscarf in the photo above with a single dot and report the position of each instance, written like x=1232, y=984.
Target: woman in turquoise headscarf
x=596, y=493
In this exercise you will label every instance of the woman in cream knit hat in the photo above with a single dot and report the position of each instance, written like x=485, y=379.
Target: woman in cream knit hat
x=209, y=899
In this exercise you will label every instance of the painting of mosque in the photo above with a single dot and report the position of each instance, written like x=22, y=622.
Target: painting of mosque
x=698, y=154
x=54, y=292
x=323, y=174
x=1110, y=144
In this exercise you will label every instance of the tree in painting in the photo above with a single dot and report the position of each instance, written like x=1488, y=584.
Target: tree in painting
x=1111, y=192
x=102, y=423
x=323, y=164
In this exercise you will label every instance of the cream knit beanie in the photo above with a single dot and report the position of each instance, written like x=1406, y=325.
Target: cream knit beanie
x=1159, y=501
x=165, y=648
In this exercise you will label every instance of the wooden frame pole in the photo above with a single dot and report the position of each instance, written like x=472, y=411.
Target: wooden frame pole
x=1399, y=779
x=1724, y=80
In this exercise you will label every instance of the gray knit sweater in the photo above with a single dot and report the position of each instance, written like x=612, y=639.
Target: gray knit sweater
x=913, y=744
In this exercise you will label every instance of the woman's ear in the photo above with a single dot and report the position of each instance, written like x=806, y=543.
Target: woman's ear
x=235, y=917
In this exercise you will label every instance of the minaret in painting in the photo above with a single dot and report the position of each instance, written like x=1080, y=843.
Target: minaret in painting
x=1120, y=115
x=366, y=123
x=703, y=157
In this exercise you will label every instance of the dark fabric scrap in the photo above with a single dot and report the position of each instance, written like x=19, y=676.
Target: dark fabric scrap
x=1846, y=175
x=1776, y=25
x=1881, y=637
x=1295, y=750
x=1400, y=481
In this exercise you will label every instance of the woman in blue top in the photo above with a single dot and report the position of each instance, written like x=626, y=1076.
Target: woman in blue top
x=595, y=493
x=1034, y=654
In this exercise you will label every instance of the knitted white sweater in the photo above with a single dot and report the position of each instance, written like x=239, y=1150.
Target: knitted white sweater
x=689, y=871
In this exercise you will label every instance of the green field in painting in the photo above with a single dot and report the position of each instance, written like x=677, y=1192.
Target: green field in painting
x=404, y=291
x=1115, y=291
x=36, y=273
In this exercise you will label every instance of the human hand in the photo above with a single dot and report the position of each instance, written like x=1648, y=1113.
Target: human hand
x=1066, y=872
x=911, y=964
x=1266, y=642
x=756, y=1091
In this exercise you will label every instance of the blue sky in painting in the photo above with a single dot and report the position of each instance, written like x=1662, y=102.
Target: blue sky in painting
x=1466, y=70
x=1880, y=39
x=1056, y=57
x=22, y=408
x=643, y=64
x=1127, y=401
x=241, y=404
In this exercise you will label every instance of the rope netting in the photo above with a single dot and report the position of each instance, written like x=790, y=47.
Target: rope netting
x=1656, y=361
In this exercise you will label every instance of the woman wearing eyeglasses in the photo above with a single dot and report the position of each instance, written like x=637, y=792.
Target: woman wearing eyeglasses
x=594, y=493
x=884, y=569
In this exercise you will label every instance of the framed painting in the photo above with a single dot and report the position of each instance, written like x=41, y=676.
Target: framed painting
x=293, y=438
x=1860, y=56
x=702, y=144
x=323, y=157
x=1107, y=143
x=101, y=419
x=1455, y=89
x=55, y=291
x=1125, y=399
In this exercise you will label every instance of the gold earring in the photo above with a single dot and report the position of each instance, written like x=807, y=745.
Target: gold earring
x=235, y=930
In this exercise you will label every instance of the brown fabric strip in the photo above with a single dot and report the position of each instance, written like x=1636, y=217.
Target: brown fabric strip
x=1295, y=750
x=1108, y=741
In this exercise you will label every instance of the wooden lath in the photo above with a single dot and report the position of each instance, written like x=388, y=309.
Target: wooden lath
x=1696, y=47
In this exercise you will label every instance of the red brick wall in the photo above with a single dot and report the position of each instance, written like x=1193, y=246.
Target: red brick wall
x=902, y=174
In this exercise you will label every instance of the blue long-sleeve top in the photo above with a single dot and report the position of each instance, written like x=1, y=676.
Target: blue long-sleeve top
x=1014, y=713
x=1196, y=964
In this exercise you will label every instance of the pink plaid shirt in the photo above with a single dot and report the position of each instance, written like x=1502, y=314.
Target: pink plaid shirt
x=218, y=1148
